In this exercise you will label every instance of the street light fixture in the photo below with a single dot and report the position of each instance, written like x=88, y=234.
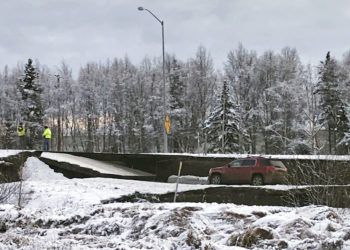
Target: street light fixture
x=165, y=136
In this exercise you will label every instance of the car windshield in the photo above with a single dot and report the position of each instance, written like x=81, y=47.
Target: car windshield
x=278, y=164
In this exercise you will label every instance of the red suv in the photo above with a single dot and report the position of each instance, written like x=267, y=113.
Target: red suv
x=250, y=170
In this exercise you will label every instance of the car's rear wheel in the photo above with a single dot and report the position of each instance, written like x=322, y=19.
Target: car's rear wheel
x=215, y=179
x=257, y=180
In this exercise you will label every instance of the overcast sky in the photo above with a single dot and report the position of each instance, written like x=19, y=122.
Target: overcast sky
x=79, y=31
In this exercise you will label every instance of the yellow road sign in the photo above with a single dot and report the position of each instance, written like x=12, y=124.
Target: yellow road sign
x=167, y=124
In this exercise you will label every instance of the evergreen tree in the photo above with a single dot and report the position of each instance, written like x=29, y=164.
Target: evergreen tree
x=221, y=126
x=177, y=88
x=333, y=115
x=179, y=115
x=343, y=130
x=345, y=141
x=32, y=112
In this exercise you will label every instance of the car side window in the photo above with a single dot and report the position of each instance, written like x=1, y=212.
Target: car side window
x=242, y=163
x=265, y=162
x=248, y=163
x=235, y=163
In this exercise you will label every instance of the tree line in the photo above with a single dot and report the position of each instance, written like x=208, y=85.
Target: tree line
x=270, y=103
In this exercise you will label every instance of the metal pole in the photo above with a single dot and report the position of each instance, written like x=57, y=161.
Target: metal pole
x=165, y=136
x=164, y=103
x=177, y=181
x=59, y=128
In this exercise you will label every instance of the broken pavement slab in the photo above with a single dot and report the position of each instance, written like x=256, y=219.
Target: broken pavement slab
x=77, y=166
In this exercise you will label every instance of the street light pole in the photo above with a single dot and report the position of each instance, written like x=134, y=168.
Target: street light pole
x=165, y=136
x=59, y=124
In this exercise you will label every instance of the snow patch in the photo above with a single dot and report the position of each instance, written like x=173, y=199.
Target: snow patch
x=36, y=170
x=9, y=152
x=188, y=179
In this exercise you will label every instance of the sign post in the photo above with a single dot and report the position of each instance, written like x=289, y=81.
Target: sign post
x=177, y=181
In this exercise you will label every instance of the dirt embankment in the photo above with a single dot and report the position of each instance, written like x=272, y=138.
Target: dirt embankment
x=333, y=196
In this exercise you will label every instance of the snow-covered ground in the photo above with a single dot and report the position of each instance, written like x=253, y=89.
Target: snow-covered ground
x=8, y=152
x=60, y=213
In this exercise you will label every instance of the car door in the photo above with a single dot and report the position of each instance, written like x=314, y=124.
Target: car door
x=243, y=171
x=232, y=171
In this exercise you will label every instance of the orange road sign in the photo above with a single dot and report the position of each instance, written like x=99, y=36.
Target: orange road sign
x=167, y=124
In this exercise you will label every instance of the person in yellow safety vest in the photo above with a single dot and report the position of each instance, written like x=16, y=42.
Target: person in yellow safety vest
x=47, y=138
x=21, y=132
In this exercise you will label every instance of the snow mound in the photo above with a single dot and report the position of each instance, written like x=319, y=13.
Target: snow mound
x=36, y=170
x=188, y=179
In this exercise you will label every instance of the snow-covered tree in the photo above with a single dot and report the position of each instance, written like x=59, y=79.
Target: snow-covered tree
x=200, y=93
x=266, y=70
x=221, y=127
x=239, y=69
x=116, y=106
x=308, y=138
x=151, y=89
x=332, y=116
x=32, y=112
x=180, y=118
x=88, y=82
x=290, y=100
x=9, y=108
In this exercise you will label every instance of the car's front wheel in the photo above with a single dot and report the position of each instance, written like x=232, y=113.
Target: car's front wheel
x=215, y=179
x=257, y=180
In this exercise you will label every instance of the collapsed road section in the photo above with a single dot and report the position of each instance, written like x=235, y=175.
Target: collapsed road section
x=77, y=166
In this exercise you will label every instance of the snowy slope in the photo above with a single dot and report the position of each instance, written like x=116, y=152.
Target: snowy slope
x=60, y=213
